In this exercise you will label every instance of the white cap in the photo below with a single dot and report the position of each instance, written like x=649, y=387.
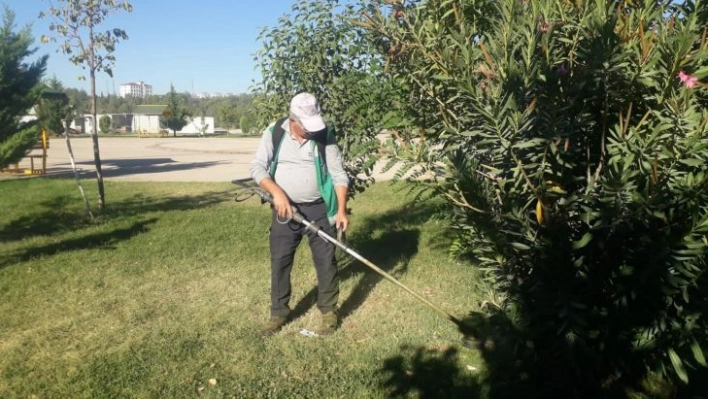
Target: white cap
x=304, y=107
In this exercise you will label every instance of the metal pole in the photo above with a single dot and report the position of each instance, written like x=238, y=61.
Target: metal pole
x=467, y=339
x=317, y=230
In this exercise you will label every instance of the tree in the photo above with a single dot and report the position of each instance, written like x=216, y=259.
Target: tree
x=54, y=108
x=75, y=25
x=247, y=124
x=570, y=139
x=79, y=99
x=318, y=50
x=105, y=124
x=227, y=115
x=175, y=116
x=228, y=111
x=19, y=91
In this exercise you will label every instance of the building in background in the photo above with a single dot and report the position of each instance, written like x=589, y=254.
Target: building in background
x=146, y=119
x=135, y=89
x=212, y=95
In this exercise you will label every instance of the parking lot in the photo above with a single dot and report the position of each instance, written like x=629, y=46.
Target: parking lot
x=184, y=159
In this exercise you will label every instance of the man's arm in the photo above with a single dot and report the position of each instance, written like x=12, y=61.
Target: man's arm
x=281, y=203
x=260, y=163
x=260, y=174
x=335, y=166
x=341, y=221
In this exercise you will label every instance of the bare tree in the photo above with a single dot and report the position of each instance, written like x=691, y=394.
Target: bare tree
x=76, y=27
x=55, y=115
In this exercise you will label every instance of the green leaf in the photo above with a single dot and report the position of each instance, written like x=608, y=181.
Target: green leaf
x=678, y=365
x=698, y=354
x=583, y=241
x=692, y=162
x=442, y=77
x=520, y=246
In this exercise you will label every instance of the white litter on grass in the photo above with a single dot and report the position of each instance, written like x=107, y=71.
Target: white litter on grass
x=308, y=333
x=471, y=368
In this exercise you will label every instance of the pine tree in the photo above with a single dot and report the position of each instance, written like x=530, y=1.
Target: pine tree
x=54, y=109
x=175, y=115
x=19, y=90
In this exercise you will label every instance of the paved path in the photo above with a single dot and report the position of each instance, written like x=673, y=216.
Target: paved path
x=180, y=159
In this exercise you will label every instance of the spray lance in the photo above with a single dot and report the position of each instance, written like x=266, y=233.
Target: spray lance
x=467, y=340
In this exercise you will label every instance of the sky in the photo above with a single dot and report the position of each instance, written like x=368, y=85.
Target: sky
x=199, y=46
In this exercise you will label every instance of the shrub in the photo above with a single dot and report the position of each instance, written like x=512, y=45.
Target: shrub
x=104, y=123
x=571, y=137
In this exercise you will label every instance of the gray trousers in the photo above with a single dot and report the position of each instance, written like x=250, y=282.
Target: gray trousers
x=284, y=240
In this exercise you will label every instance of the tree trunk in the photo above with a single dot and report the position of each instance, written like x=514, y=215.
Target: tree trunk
x=94, y=137
x=76, y=174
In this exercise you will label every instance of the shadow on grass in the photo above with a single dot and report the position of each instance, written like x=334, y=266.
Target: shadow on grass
x=104, y=240
x=389, y=241
x=57, y=216
x=513, y=370
x=140, y=204
x=138, y=166
x=378, y=251
x=428, y=373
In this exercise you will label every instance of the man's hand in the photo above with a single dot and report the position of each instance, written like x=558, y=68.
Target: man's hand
x=281, y=202
x=282, y=205
x=341, y=221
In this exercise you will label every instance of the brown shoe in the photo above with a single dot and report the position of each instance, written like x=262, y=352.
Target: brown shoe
x=273, y=325
x=329, y=324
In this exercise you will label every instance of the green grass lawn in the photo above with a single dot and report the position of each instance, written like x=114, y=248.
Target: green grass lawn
x=165, y=294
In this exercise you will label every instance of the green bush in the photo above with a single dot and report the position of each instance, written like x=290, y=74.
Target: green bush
x=247, y=124
x=105, y=123
x=571, y=137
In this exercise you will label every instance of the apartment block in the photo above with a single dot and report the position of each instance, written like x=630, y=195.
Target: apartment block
x=135, y=89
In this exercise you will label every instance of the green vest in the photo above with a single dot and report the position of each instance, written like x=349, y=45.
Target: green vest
x=324, y=180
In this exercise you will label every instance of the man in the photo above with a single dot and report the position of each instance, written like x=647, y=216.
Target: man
x=295, y=180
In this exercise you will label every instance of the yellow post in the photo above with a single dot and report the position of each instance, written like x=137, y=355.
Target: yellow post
x=45, y=146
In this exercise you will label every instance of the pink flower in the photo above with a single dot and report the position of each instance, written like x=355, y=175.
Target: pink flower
x=562, y=70
x=687, y=80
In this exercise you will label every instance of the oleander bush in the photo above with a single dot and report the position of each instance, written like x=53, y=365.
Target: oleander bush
x=571, y=140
